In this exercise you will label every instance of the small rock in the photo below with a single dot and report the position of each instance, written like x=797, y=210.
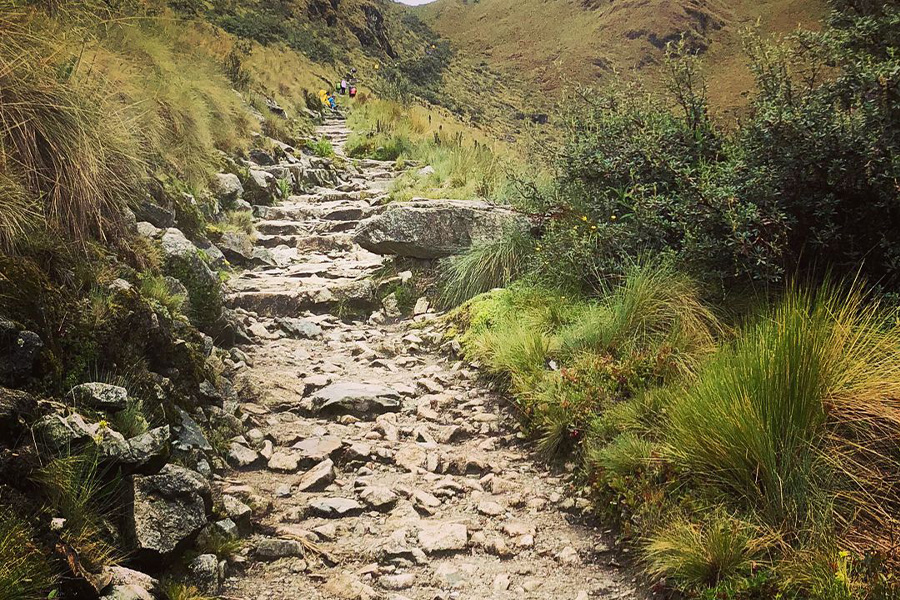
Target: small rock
x=443, y=537
x=421, y=306
x=397, y=582
x=334, y=507
x=501, y=582
x=379, y=497
x=317, y=478
x=284, y=462
x=273, y=549
x=240, y=456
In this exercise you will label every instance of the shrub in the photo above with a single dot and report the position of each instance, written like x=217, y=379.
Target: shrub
x=157, y=289
x=320, y=147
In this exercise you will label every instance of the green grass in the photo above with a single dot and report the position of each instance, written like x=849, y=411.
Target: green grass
x=25, y=572
x=484, y=266
x=183, y=591
x=763, y=423
x=157, y=289
x=695, y=556
x=321, y=147
x=78, y=491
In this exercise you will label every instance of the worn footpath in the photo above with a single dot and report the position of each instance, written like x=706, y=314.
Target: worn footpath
x=376, y=465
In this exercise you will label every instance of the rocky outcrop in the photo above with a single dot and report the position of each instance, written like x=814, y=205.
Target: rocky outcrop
x=168, y=510
x=183, y=261
x=99, y=396
x=19, y=348
x=228, y=189
x=431, y=229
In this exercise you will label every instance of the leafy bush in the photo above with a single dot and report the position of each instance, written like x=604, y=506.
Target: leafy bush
x=320, y=147
x=805, y=182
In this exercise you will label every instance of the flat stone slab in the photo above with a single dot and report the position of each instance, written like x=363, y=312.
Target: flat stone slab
x=358, y=399
x=334, y=507
x=443, y=537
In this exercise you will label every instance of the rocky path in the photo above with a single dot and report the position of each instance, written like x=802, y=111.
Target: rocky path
x=374, y=466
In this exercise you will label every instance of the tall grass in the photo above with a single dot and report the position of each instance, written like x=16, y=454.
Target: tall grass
x=654, y=308
x=767, y=422
x=78, y=491
x=484, y=266
x=25, y=573
x=68, y=147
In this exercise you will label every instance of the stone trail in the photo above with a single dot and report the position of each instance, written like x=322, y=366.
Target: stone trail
x=374, y=467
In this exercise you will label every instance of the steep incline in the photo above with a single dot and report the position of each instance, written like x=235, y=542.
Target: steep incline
x=376, y=467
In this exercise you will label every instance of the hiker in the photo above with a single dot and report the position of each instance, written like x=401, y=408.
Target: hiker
x=323, y=97
x=332, y=103
x=344, y=86
x=353, y=91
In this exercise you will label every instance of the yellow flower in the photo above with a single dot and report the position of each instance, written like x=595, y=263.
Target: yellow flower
x=103, y=424
x=594, y=227
x=613, y=217
x=843, y=553
x=584, y=218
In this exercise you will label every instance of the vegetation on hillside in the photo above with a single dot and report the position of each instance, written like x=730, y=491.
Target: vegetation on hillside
x=681, y=328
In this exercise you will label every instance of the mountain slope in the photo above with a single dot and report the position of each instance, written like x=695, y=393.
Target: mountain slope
x=547, y=44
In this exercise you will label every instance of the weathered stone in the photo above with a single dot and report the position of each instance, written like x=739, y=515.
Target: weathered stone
x=443, y=537
x=434, y=228
x=317, y=448
x=334, y=507
x=183, y=261
x=359, y=399
x=237, y=511
x=284, y=462
x=19, y=348
x=379, y=497
x=100, y=396
x=273, y=549
x=206, y=573
x=299, y=328
x=60, y=432
x=228, y=188
x=146, y=451
x=189, y=434
x=16, y=409
x=317, y=478
x=241, y=457
x=168, y=509
x=397, y=582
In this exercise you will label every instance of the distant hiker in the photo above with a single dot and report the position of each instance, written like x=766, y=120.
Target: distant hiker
x=344, y=86
x=353, y=91
x=332, y=103
x=323, y=97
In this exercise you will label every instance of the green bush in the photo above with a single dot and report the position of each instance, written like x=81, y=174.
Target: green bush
x=806, y=182
x=25, y=572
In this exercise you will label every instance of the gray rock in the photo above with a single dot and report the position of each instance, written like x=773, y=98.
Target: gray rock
x=299, y=328
x=241, y=457
x=284, y=462
x=273, y=549
x=61, y=433
x=315, y=449
x=127, y=592
x=100, y=396
x=317, y=478
x=151, y=212
x=206, y=574
x=334, y=507
x=227, y=528
x=435, y=228
x=237, y=511
x=261, y=187
x=17, y=408
x=182, y=261
x=122, y=576
x=359, y=399
x=168, y=510
x=19, y=348
x=379, y=497
x=148, y=230
x=189, y=435
x=213, y=255
x=147, y=451
x=228, y=188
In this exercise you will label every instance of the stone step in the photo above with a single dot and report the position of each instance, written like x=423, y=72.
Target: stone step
x=315, y=297
x=281, y=228
x=273, y=241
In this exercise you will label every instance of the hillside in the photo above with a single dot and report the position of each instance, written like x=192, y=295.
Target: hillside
x=545, y=45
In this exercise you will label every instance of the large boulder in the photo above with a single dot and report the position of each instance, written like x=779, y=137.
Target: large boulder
x=183, y=261
x=100, y=396
x=19, y=348
x=434, y=228
x=358, y=399
x=168, y=510
x=261, y=187
x=228, y=189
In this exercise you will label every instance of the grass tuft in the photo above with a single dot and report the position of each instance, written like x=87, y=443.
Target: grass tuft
x=25, y=572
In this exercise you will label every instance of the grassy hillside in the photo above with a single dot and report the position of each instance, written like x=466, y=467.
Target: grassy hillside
x=544, y=46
